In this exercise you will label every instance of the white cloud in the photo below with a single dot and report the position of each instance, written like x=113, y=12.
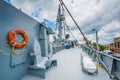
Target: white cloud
x=102, y=15
x=110, y=31
x=48, y=7
x=117, y=34
x=111, y=27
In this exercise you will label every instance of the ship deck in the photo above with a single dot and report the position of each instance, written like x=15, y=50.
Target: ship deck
x=69, y=68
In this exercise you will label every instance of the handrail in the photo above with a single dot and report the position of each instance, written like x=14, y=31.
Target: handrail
x=110, y=56
x=118, y=59
x=103, y=64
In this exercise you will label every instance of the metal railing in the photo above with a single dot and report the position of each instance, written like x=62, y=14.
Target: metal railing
x=91, y=51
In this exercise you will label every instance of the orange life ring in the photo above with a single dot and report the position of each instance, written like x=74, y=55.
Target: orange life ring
x=12, y=35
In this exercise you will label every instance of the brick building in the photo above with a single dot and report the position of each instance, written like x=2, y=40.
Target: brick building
x=117, y=45
x=111, y=47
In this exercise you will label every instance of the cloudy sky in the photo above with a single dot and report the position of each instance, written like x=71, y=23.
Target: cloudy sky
x=103, y=15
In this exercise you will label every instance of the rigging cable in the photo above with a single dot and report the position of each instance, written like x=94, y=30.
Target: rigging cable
x=72, y=35
x=62, y=3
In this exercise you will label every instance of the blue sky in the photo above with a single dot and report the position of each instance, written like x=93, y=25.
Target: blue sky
x=102, y=15
x=8, y=1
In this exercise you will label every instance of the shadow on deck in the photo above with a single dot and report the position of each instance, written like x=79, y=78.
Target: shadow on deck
x=69, y=68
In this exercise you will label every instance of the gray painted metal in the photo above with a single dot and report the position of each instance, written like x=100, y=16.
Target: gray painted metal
x=40, y=63
x=15, y=67
x=41, y=33
x=109, y=62
x=16, y=60
x=69, y=68
x=59, y=20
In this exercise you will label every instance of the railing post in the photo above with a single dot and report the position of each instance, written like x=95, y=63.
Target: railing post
x=93, y=56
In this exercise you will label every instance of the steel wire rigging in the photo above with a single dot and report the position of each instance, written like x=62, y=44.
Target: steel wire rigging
x=84, y=37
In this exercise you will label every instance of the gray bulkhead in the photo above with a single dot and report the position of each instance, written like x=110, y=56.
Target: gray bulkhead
x=14, y=67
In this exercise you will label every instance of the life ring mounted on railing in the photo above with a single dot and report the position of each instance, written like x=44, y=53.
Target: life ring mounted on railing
x=12, y=36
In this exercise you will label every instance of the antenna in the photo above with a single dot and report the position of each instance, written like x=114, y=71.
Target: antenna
x=61, y=1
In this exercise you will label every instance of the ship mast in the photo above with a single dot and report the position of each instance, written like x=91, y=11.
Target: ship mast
x=84, y=37
x=60, y=22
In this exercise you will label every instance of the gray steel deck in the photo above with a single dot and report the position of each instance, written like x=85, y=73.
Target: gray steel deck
x=69, y=68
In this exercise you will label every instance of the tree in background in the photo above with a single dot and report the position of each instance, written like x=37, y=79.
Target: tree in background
x=102, y=47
